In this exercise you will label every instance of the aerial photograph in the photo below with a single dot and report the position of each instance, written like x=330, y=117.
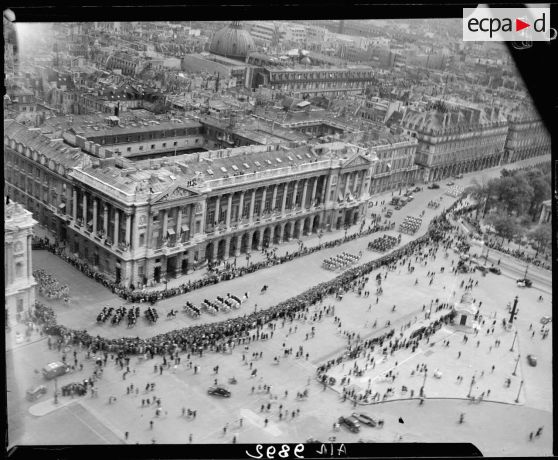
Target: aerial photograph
x=304, y=231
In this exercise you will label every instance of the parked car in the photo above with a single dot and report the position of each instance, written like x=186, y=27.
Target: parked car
x=55, y=369
x=495, y=270
x=532, y=360
x=35, y=393
x=481, y=268
x=350, y=423
x=417, y=189
x=410, y=197
x=458, y=176
x=389, y=213
x=434, y=185
x=525, y=282
x=546, y=319
x=219, y=391
x=450, y=183
x=363, y=418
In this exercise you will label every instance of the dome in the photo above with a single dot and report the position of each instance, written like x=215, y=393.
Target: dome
x=232, y=42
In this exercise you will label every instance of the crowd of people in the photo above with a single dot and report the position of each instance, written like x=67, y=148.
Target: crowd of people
x=433, y=204
x=518, y=254
x=239, y=330
x=410, y=225
x=49, y=286
x=340, y=261
x=134, y=295
x=384, y=243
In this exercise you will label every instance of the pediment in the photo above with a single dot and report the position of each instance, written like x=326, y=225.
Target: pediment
x=176, y=192
x=357, y=160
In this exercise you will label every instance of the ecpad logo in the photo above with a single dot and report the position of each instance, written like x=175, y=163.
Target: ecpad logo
x=506, y=24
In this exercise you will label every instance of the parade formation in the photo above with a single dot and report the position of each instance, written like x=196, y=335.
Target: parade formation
x=310, y=262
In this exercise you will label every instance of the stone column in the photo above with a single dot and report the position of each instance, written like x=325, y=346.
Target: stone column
x=94, y=216
x=252, y=202
x=165, y=223
x=260, y=237
x=128, y=228
x=238, y=242
x=282, y=232
x=241, y=206
x=192, y=220
x=217, y=209
x=227, y=247
x=28, y=261
x=348, y=181
x=215, y=250
x=116, y=225
x=84, y=210
x=262, y=207
x=74, y=204
x=324, y=192
x=229, y=210
x=294, y=194
x=105, y=219
x=274, y=197
x=178, y=229
x=284, y=198
x=304, y=190
x=314, y=188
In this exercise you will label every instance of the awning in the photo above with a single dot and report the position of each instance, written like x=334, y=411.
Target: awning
x=185, y=228
x=61, y=205
x=170, y=231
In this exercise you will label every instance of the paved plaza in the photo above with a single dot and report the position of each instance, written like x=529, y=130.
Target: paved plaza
x=498, y=425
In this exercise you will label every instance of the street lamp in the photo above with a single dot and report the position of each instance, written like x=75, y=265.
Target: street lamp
x=526, y=269
x=513, y=343
x=519, y=391
x=516, y=363
x=471, y=387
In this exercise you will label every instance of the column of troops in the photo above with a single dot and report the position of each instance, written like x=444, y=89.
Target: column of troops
x=433, y=204
x=455, y=191
x=410, y=225
x=384, y=243
x=340, y=261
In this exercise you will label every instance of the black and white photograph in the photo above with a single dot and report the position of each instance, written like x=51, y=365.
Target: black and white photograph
x=269, y=231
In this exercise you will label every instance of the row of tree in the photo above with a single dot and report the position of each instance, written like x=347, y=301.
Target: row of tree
x=512, y=204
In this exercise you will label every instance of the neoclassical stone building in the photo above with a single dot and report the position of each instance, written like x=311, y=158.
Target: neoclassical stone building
x=147, y=220
x=18, y=269
x=456, y=140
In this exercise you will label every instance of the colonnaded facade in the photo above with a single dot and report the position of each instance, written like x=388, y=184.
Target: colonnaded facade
x=18, y=268
x=141, y=222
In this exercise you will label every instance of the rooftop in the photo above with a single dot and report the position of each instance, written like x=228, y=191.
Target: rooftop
x=53, y=149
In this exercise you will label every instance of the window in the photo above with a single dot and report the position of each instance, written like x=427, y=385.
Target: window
x=141, y=147
x=142, y=239
x=129, y=149
x=19, y=305
x=152, y=146
x=175, y=144
x=164, y=144
x=19, y=269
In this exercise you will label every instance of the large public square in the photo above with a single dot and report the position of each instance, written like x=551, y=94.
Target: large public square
x=264, y=406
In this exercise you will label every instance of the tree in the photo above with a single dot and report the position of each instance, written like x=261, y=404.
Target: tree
x=505, y=226
x=542, y=235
